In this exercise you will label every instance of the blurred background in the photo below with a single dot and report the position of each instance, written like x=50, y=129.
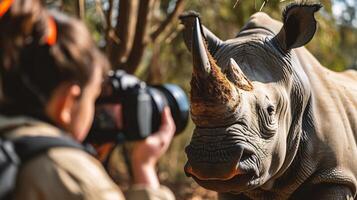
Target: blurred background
x=144, y=38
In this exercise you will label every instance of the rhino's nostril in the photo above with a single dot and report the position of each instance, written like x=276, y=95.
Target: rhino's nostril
x=246, y=155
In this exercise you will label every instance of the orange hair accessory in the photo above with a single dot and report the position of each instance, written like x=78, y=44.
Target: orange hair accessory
x=51, y=37
x=4, y=6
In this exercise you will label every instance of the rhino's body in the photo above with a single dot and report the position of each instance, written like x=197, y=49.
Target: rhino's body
x=327, y=152
x=316, y=157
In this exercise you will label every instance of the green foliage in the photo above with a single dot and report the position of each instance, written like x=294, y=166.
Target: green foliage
x=333, y=45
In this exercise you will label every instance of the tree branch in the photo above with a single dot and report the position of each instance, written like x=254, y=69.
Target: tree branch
x=99, y=10
x=109, y=28
x=125, y=30
x=109, y=15
x=179, y=7
x=80, y=9
x=140, y=36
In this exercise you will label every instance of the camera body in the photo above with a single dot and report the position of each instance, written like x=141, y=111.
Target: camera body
x=141, y=108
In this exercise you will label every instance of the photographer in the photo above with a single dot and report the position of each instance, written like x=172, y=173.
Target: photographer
x=51, y=75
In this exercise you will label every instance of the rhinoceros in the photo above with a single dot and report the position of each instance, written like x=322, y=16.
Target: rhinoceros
x=270, y=121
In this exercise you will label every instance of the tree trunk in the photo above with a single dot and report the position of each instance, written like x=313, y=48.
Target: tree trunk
x=140, y=40
x=126, y=44
x=80, y=9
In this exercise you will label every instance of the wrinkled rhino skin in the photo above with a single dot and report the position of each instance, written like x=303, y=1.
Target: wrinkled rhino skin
x=271, y=122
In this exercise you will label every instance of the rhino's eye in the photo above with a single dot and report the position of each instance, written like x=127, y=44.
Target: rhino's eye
x=271, y=110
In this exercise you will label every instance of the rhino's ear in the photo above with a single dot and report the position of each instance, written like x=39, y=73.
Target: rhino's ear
x=299, y=25
x=187, y=20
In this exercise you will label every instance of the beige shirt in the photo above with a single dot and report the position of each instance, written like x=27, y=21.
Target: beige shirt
x=67, y=173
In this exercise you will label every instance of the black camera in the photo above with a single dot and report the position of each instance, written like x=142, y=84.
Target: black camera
x=141, y=107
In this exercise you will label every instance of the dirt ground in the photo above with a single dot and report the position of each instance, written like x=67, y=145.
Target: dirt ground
x=183, y=190
x=189, y=190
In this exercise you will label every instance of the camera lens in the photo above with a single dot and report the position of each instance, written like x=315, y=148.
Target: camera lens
x=141, y=108
x=178, y=103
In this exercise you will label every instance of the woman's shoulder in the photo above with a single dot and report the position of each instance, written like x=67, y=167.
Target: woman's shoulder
x=76, y=161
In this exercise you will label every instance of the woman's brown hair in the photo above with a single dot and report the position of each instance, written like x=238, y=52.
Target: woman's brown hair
x=30, y=68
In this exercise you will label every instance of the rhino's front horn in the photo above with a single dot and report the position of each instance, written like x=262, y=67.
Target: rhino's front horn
x=214, y=98
x=188, y=19
x=201, y=62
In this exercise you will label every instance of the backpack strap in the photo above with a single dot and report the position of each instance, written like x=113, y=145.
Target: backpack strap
x=14, y=153
x=29, y=147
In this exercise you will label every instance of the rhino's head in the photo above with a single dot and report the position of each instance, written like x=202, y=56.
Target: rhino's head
x=248, y=95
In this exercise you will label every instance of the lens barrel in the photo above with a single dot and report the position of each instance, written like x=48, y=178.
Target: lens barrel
x=178, y=103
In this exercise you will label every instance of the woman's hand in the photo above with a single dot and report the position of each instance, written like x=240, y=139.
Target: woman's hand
x=147, y=152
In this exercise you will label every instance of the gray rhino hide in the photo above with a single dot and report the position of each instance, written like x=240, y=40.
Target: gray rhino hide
x=308, y=149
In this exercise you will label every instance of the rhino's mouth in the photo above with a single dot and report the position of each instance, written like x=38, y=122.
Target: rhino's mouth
x=244, y=181
x=235, y=175
x=238, y=183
